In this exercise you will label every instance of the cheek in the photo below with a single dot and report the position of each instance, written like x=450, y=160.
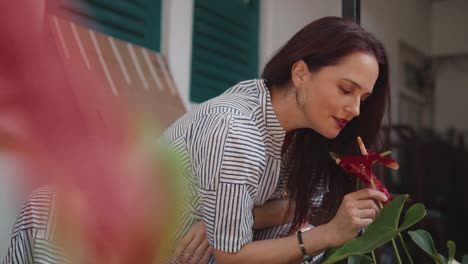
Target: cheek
x=331, y=97
x=336, y=105
x=330, y=105
x=323, y=102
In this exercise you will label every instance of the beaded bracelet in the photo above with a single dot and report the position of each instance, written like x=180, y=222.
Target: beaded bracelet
x=305, y=256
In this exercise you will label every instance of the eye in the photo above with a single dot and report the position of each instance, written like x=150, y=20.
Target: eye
x=346, y=91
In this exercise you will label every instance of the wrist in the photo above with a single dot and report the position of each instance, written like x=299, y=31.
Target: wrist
x=330, y=235
x=317, y=239
x=305, y=256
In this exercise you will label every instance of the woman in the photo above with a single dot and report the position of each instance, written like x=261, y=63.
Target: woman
x=264, y=138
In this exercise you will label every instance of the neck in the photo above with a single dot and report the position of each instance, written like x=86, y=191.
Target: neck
x=284, y=104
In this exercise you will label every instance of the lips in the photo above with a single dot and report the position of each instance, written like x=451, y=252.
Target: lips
x=341, y=122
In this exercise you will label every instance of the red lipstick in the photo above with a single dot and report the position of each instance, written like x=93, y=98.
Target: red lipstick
x=341, y=122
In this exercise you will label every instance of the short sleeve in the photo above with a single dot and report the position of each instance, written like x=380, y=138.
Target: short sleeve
x=29, y=240
x=20, y=250
x=228, y=178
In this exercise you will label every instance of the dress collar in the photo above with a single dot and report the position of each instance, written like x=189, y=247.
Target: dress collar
x=273, y=126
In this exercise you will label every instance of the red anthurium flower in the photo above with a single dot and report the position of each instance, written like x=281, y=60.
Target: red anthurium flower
x=361, y=166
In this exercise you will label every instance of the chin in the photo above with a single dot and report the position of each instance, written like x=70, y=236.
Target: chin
x=330, y=134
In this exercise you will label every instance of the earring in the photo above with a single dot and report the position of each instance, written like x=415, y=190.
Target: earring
x=300, y=99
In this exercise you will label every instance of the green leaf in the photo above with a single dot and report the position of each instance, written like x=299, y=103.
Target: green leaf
x=383, y=229
x=329, y=252
x=423, y=239
x=451, y=251
x=442, y=259
x=390, y=214
x=465, y=259
x=413, y=215
x=360, y=259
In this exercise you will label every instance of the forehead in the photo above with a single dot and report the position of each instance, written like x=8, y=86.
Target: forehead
x=359, y=67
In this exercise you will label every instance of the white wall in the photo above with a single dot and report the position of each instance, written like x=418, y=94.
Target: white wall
x=450, y=19
x=280, y=20
x=392, y=21
x=11, y=197
x=176, y=37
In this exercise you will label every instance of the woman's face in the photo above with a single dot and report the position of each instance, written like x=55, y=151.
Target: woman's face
x=333, y=95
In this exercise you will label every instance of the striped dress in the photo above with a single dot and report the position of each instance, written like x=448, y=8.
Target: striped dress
x=230, y=148
x=31, y=239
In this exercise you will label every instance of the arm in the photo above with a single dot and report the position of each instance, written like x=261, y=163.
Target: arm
x=272, y=213
x=194, y=246
x=357, y=210
x=280, y=250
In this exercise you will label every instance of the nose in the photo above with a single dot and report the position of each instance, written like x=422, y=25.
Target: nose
x=353, y=107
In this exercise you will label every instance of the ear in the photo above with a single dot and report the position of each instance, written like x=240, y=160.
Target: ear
x=299, y=72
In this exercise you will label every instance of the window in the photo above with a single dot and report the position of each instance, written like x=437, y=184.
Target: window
x=225, y=46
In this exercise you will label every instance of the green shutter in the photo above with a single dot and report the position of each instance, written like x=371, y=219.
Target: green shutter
x=225, y=45
x=135, y=21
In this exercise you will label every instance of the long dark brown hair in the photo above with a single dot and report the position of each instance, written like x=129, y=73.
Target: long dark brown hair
x=323, y=43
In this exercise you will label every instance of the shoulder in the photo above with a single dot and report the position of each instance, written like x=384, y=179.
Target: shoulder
x=239, y=107
x=253, y=87
x=32, y=238
x=242, y=99
x=36, y=210
x=222, y=126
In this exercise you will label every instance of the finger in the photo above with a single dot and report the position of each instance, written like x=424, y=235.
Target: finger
x=366, y=204
x=199, y=252
x=183, y=244
x=367, y=213
x=369, y=193
x=206, y=256
x=375, y=207
x=366, y=221
x=191, y=247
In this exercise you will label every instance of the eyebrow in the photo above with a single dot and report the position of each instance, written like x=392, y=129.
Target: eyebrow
x=353, y=82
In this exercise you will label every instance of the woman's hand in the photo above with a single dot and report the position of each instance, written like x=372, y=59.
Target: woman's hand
x=357, y=211
x=194, y=246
